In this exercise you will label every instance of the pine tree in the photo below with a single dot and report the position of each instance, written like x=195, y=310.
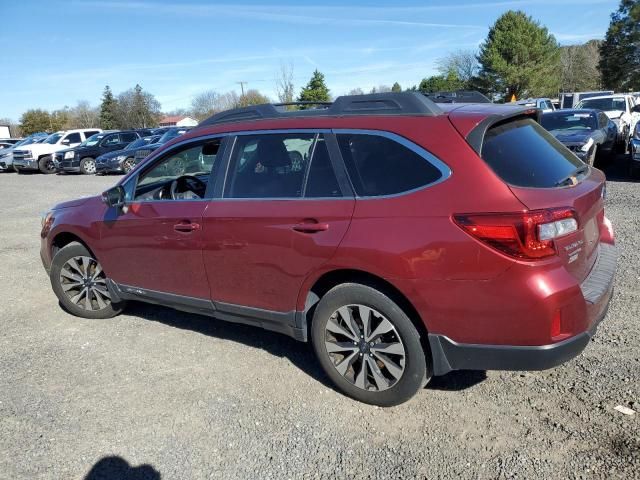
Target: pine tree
x=520, y=57
x=396, y=87
x=316, y=90
x=620, y=51
x=108, y=108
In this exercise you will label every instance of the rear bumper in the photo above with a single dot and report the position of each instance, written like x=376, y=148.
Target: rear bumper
x=597, y=290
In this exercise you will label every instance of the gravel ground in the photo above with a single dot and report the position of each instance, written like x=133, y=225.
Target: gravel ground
x=157, y=393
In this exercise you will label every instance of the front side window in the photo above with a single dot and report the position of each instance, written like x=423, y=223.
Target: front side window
x=269, y=165
x=72, y=138
x=111, y=140
x=182, y=174
x=379, y=165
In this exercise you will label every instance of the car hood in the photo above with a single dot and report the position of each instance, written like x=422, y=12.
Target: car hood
x=573, y=136
x=73, y=203
x=40, y=148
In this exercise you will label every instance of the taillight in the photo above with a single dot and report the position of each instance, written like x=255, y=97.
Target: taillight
x=527, y=235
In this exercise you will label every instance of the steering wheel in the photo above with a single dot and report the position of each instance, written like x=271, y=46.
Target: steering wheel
x=187, y=183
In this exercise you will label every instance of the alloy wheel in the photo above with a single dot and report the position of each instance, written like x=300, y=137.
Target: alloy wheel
x=365, y=347
x=90, y=166
x=85, y=284
x=128, y=165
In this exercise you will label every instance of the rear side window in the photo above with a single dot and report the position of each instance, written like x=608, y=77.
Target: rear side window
x=269, y=165
x=524, y=154
x=89, y=133
x=128, y=137
x=379, y=165
x=322, y=181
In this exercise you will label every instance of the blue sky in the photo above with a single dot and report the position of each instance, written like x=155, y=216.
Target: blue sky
x=55, y=53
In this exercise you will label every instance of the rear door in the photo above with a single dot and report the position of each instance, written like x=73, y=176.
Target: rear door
x=543, y=174
x=282, y=216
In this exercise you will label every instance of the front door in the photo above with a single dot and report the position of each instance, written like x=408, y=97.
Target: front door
x=155, y=242
x=282, y=216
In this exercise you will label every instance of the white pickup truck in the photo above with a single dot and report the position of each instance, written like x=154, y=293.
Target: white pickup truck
x=622, y=109
x=39, y=156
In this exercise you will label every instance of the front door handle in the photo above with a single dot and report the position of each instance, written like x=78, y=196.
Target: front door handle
x=186, y=227
x=308, y=227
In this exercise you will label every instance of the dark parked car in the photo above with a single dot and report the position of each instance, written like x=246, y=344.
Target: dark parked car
x=168, y=135
x=402, y=238
x=587, y=133
x=122, y=161
x=83, y=157
x=459, y=96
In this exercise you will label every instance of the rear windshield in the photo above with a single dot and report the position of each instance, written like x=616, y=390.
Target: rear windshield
x=524, y=154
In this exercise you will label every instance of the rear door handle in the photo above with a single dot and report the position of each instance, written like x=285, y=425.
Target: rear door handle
x=311, y=227
x=186, y=227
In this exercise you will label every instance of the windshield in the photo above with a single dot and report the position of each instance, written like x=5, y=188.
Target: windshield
x=92, y=140
x=606, y=104
x=28, y=141
x=53, y=138
x=137, y=143
x=171, y=134
x=569, y=121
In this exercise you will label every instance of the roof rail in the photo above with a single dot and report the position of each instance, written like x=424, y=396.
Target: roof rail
x=401, y=103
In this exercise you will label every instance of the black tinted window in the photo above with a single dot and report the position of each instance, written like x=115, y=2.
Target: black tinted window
x=89, y=133
x=269, y=166
x=524, y=154
x=322, y=181
x=381, y=166
x=128, y=137
x=73, y=138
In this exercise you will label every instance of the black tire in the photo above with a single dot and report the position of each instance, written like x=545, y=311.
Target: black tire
x=88, y=166
x=46, y=166
x=417, y=369
x=18, y=170
x=64, y=255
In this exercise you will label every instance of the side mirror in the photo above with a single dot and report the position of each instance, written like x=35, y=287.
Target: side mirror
x=114, y=197
x=66, y=141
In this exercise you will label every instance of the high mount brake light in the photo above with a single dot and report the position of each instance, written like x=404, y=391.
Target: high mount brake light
x=525, y=235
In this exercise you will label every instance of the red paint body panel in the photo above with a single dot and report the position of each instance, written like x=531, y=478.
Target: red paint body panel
x=254, y=257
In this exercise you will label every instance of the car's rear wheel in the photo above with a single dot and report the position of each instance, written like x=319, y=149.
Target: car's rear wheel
x=88, y=166
x=80, y=283
x=368, y=346
x=128, y=164
x=46, y=165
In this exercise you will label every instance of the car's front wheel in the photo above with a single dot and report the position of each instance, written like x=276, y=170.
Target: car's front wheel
x=88, y=166
x=80, y=283
x=368, y=346
x=46, y=165
x=128, y=164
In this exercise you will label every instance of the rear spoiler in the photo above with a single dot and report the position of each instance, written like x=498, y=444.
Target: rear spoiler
x=475, y=137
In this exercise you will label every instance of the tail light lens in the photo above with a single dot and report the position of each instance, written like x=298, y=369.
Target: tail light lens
x=525, y=235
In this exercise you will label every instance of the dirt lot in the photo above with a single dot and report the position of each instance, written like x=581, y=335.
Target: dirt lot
x=178, y=396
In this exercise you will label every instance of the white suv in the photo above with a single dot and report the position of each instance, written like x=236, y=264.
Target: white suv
x=39, y=156
x=622, y=109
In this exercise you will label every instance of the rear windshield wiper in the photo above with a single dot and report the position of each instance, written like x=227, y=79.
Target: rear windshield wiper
x=571, y=178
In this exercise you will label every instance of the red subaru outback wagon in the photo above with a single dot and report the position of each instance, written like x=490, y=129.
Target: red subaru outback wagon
x=403, y=238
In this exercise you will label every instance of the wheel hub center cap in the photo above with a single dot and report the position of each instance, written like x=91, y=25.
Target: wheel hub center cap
x=364, y=347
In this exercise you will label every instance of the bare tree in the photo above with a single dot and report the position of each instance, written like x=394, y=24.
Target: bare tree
x=381, y=89
x=205, y=104
x=284, y=83
x=356, y=91
x=83, y=115
x=252, y=97
x=463, y=63
x=579, y=67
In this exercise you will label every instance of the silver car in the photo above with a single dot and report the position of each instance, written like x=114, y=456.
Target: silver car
x=6, y=154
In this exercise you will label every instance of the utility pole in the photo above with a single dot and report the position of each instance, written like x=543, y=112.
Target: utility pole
x=242, y=84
